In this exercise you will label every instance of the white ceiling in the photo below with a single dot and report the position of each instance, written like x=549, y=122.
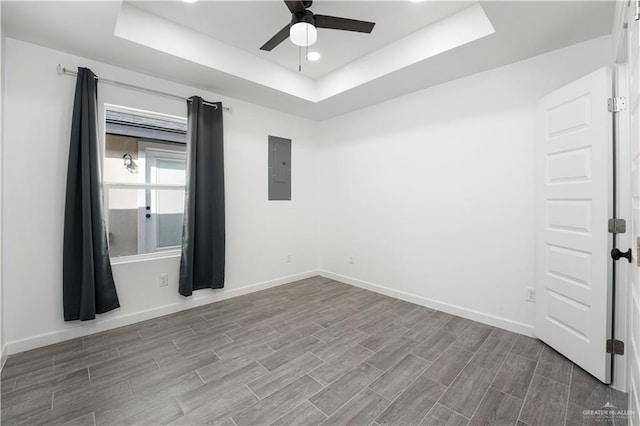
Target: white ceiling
x=247, y=25
x=207, y=44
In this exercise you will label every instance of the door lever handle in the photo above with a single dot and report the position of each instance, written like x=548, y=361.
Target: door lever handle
x=617, y=254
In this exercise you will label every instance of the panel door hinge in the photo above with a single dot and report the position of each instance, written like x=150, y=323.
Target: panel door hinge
x=615, y=347
x=616, y=104
x=617, y=226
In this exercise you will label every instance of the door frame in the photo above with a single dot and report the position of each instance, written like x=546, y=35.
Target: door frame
x=622, y=169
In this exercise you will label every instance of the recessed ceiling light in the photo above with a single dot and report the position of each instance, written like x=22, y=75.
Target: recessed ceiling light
x=313, y=56
x=189, y=1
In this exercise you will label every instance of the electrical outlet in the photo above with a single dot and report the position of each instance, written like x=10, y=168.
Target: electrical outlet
x=163, y=280
x=289, y=258
x=351, y=260
x=531, y=294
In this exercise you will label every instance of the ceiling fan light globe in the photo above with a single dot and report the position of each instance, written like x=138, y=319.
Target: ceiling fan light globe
x=303, y=34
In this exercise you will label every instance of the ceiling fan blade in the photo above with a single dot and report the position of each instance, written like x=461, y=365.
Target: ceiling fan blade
x=280, y=36
x=345, y=24
x=295, y=6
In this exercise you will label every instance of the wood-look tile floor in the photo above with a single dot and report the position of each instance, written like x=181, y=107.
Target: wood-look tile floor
x=312, y=352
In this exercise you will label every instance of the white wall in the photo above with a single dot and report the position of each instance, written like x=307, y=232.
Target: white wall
x=433, y=193
x=260, y=234
x=3, y=354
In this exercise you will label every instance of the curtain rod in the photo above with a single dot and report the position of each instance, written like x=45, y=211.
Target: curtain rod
x=62, y=70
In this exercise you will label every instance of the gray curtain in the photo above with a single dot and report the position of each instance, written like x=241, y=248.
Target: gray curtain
x=88, y=286
x=203, y=233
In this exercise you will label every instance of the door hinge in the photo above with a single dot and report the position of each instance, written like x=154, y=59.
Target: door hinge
x=616, y=104
x=617, y=226
x=615, y=347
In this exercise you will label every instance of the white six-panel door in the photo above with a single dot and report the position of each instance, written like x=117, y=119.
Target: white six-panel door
x=573, y=154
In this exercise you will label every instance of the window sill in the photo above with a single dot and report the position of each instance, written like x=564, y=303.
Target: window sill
x=145, y=257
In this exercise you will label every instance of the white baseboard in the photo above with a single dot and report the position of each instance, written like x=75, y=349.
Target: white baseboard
x=199, y=299
x=493, y=320
x=202, y=297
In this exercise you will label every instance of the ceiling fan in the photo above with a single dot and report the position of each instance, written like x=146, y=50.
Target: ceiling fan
x=304, y=23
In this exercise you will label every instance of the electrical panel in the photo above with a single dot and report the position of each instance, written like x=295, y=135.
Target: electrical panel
x=279, y=168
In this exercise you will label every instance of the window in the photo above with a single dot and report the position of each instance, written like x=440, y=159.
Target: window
x=144, y=182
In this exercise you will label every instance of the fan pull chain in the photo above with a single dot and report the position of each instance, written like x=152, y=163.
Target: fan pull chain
x=306, y=55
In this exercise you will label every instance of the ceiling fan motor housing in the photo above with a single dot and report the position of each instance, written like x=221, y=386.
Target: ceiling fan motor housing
x=306, y=16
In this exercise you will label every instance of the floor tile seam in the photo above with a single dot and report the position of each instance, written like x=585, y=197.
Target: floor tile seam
x=301, y=371
x=455, y=378
x=448, y=408
x=389, y=343
x=254, y=394
x=383, y=397
x=199, y=376
x=526, y=395
x=273, y=329
x=530, y=359
x=364, y=361
x=462, y=331
x=294, y=341
x=345, y=373
x=555, y=380
x=53, y=392
x=224, y=392
x=502, y=363
x=490, y=386
x=335, y=338
x=320, y=409
x=566, y=407
x=322, y=387
x=351, y=347
x=175, y=344
x=349, y=400
x=407, y=387
x=420, y=341
x=535, y=373
x=526, y=359
x=452, y=344
x=318, y=356
x=216, y=354
x=443, y=354
x=422, y=371
x=306, y=400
